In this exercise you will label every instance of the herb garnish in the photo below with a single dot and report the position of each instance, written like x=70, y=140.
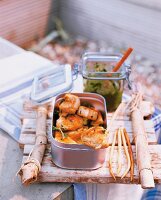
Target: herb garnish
x=59, y=129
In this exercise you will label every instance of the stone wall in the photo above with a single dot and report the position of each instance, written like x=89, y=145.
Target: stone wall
x=120, y=22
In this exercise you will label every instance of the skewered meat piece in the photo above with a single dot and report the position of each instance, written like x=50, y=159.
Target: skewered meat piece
x=67, y=139
x=95, y=137
x=76, y=135
x=70, y=104
x=70, y=122
x=98, y=121
x=89, y=113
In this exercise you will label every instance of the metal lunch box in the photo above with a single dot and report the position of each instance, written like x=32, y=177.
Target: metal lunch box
x=77, y=156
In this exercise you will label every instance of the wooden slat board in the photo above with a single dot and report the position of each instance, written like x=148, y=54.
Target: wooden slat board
x=51, y=173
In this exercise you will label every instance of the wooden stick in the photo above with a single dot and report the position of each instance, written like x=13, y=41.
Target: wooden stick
x=142, y=152
x=111, y=155
x=114, y=116
x=130, y=153
x=147, y=108
x=60, y=32
x=126, y=153
x=118, y=65
x=119, y=152
x=30, y=169
x=121, y=109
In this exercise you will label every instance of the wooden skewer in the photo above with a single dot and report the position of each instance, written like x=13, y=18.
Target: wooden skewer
x=114, y=116
x=126, y=152
x=135, y=101
x=111, y=155
x=118, y=65
x=131, y=154
x=119, y=152
x=121, y=109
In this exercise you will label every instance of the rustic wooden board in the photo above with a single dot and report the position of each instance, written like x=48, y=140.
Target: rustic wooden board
x=51, y=173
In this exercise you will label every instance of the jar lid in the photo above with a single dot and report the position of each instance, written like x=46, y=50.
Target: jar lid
x=53, y=82
x=98, y=66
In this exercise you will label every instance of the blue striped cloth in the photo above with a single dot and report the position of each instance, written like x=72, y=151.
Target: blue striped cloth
x=16, y=77
x=153, y=194
x=157, y=124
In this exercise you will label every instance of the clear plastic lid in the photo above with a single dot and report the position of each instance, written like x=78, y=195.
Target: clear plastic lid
x=53, y=82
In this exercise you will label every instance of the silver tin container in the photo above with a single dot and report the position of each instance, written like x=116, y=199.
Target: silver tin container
x=77, y=156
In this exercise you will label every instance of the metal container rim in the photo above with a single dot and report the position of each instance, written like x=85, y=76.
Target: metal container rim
x=77, y=146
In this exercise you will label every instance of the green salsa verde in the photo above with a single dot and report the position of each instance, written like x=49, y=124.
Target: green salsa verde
x=111, y=90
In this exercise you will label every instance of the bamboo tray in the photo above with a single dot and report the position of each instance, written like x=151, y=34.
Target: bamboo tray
x=51, y=173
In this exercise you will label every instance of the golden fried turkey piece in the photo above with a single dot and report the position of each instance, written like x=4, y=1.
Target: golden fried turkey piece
x=76, y=135
x=98, y=121
x=89, y=113
x=67, y=139
x=95, y=137
x=70, y=105
x=70, y=122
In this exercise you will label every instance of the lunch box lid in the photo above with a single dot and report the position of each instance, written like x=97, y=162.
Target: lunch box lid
x=53, y=82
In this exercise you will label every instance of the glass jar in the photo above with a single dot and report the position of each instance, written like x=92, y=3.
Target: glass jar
x=96, y=69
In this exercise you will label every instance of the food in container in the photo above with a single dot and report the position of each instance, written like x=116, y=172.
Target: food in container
x=82, y=145
x=112, y=91
x=98, y=77
x=84, y=122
